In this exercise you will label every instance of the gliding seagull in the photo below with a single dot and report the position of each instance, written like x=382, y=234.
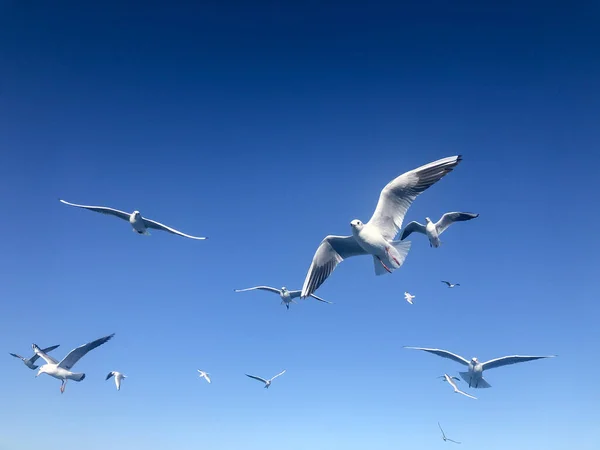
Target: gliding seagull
x=267, y=382
x=444, y=435
x=118, y=377
x=287, y=297
x=450, y=285
x=376, y=236
x=62, y=370
x=140, y=224
x=434, y=230
x=451, y=382
x=475, y=374
x=204, y=375
x=29, y=362
x=408, y=297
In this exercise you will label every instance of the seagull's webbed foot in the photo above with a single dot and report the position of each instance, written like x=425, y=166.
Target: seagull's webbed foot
x=62, y=387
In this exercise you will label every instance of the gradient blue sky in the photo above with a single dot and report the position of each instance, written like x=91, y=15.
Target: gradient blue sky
x=265, y=127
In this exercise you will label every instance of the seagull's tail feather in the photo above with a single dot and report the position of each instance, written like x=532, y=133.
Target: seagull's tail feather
x=78, y=376
x=402, y=248
x=474, y=382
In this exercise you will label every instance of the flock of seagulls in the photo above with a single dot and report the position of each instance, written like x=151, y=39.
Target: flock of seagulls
x=382, y=238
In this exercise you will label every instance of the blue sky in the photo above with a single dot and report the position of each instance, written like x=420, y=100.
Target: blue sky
x=265, y=128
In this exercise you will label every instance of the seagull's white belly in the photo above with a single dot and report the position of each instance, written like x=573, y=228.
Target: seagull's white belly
x=371, y=242
x=137, y=224
x=432, y=234
x=58, y=372
x=285, y=297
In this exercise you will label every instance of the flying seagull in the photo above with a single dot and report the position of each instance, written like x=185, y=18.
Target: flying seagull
x=118, y=377
x=444, y=435
x=376, y=237
x=475, y=374
x=287, y=297
x=204, y=375
x=30, y=362
x=434, y=230
x=450, y=285
x=140, y=224
x=451, y=382
x=267, y=382
x=62, y=370
x=408, y=297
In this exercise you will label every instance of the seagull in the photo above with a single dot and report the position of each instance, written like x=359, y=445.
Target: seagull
x=408, y=297
x=30, y=362
x=140, y=224
x=376, y=237
x=434, y=230
x=267, y=382
x=475, y=374
x=62, y=370
x=450, y=285
x=287, y=297
x=204, y=375
x=118, y=377
x=444, y=435
x=450, y=381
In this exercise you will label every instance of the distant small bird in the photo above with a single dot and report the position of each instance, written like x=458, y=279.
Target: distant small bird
x=434, y=230
x=118, y=377
x=62, y=370
x=287, y=297
x=29, y=362
x=444, y=435
x=204, y=375
x=140, y=224
x=450, y=285
x=408, y=297
x=267, y=382
x=451, y=382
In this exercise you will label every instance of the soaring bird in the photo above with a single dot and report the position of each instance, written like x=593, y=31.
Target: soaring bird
x=376, y=237
x=450, y=285
x=140, y=224
x=434, y=230
x=408, y=297
x=287, y=297
x=267, y=382
x=118, y=377
x=451, y=382
x=62, y=370
x=475, y=374
x=204, y=375
x=30, y=362
x=444, y=435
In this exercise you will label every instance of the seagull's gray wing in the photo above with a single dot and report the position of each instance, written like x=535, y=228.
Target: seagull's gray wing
x=398, y=195
x=101, y=210
x=18, y=356
x=507, y=360
x=443, y=354
x=456, y=442
x=458, y=391
x=441, y=429
x=451, y=217
x=278, y=375
x=296, y=294
x=257, y=378
x=76, y=354
x=412, y=227
x=332, y=251
x=38, y=351
x=448, y=283
x=159, y=226
x=262, y=288
x=45, y=350
x=109, y=376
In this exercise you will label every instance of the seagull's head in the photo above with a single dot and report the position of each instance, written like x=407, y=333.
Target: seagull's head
x=474, y=361
x=356, y=224
x=427, y=219
x=283, y=289
x=135, y=214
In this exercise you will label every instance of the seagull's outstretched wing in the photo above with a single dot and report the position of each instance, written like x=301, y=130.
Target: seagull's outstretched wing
x=448, y=283
x=76, y=354
x=109, y=375
x=412, y=227
x=296, y=294
x=19, y=356
x=456, y=442
x=398, y=195
x=443, y=434
x=278, y=375
x=458, y=391
x=332, y=251
x=159, y=226
x=35, y=356
x=507, y=360
x=262, y=288
x=38, y=351
x=257, y=378
x=204, y=375
x=443, y=354
x=101, y=210
x=451, y=217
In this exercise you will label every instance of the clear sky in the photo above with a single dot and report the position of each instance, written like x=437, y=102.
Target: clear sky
x=266, y=126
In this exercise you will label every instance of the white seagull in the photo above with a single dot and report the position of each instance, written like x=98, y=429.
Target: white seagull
x=451, y=382
x=434, y=230
x=62, y=370
x=140, y=224
x=30, y=362
x=450, y=285
x=204, y=375
x=475, y=374
x=267, y=382
x=444, y=435
x=376, y=237
x=118, y=377
x=287, y=297
x=408, y=297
